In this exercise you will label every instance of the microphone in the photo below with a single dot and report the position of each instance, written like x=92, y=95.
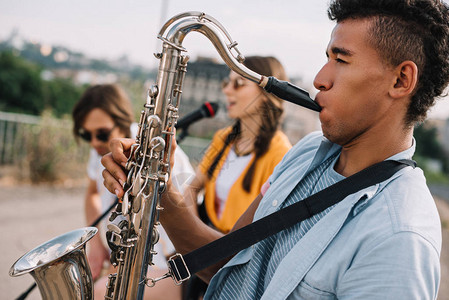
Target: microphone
x=207, y=110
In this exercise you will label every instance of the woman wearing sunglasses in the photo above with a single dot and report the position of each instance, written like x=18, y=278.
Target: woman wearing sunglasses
x=104, y=112
x=241, y=157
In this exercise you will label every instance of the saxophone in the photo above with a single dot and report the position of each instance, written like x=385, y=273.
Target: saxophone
x=132, y=231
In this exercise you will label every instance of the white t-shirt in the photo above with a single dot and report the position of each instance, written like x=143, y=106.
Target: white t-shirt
x=232, y=168
x=182, y=174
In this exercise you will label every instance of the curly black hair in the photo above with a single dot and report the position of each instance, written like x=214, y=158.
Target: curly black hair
x=416, y=30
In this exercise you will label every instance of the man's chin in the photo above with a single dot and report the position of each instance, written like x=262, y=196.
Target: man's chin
x=332, y=138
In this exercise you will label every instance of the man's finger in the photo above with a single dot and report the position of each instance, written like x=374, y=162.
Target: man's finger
x=120, y=149
x=114, y=175
x=112, y=184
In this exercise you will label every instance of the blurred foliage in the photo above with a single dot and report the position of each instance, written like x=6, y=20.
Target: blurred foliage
x=20, y=85
x=136, y=91
x=100, y=64
x=60, y=95
x=47, y=151
x=22, y=89
x=431, y=175
x=437, y=178
x=50, y=161
x=427, y=145
x=428, y=149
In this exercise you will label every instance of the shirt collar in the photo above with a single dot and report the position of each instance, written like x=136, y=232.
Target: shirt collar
x=406, y=154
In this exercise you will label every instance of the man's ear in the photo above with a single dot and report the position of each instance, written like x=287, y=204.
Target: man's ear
x=406, y=79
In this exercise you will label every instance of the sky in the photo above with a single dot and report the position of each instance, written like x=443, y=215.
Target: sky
x=294, y=31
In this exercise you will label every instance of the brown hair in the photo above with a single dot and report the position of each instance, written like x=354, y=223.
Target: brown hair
x=111, y=99
x=271, y=112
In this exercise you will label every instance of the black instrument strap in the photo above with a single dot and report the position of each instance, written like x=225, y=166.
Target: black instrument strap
x=182, y=266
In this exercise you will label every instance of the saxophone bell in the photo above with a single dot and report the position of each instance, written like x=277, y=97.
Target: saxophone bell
x=60, y=266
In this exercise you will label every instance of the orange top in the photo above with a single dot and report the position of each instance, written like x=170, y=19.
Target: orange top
x=238, y=199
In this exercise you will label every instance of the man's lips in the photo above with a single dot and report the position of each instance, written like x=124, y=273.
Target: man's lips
x=319, y=102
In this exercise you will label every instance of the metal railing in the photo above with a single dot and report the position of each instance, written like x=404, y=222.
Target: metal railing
x=12, y=129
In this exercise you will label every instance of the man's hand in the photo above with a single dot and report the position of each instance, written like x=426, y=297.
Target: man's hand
x=114, y=162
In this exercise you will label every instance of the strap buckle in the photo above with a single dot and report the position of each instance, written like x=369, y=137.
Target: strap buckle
x=178, y=268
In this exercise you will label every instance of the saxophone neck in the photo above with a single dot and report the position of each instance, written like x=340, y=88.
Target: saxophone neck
x=175, y=30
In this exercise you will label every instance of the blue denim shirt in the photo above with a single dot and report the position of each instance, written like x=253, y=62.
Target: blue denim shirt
x=382, y=242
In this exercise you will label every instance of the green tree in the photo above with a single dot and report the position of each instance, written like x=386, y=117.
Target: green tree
x=23, y=91
x=60, y=95
x=20, y=85
x=428, y=146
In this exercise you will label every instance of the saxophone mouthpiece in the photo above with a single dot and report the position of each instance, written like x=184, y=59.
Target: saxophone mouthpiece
x=289, y=92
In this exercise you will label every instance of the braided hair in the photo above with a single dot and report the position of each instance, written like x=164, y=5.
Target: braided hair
x=270, y=112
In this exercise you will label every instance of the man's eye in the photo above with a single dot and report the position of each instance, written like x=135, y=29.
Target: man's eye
x=339, y=60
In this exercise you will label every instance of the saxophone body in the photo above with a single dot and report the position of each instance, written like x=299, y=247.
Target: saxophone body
x=132, y=231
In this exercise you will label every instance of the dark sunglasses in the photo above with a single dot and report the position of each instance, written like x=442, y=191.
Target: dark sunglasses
x=102, y=134
x=236, y=83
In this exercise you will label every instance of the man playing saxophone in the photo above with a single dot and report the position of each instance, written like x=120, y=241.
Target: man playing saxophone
x=387, y=63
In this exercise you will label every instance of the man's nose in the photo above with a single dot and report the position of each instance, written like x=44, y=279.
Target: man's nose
x=323, y=81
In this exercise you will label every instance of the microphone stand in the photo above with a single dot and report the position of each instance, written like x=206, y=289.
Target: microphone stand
x=182, y=135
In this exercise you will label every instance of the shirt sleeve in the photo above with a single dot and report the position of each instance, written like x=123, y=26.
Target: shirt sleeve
x=403, y=266
x=182, y=173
